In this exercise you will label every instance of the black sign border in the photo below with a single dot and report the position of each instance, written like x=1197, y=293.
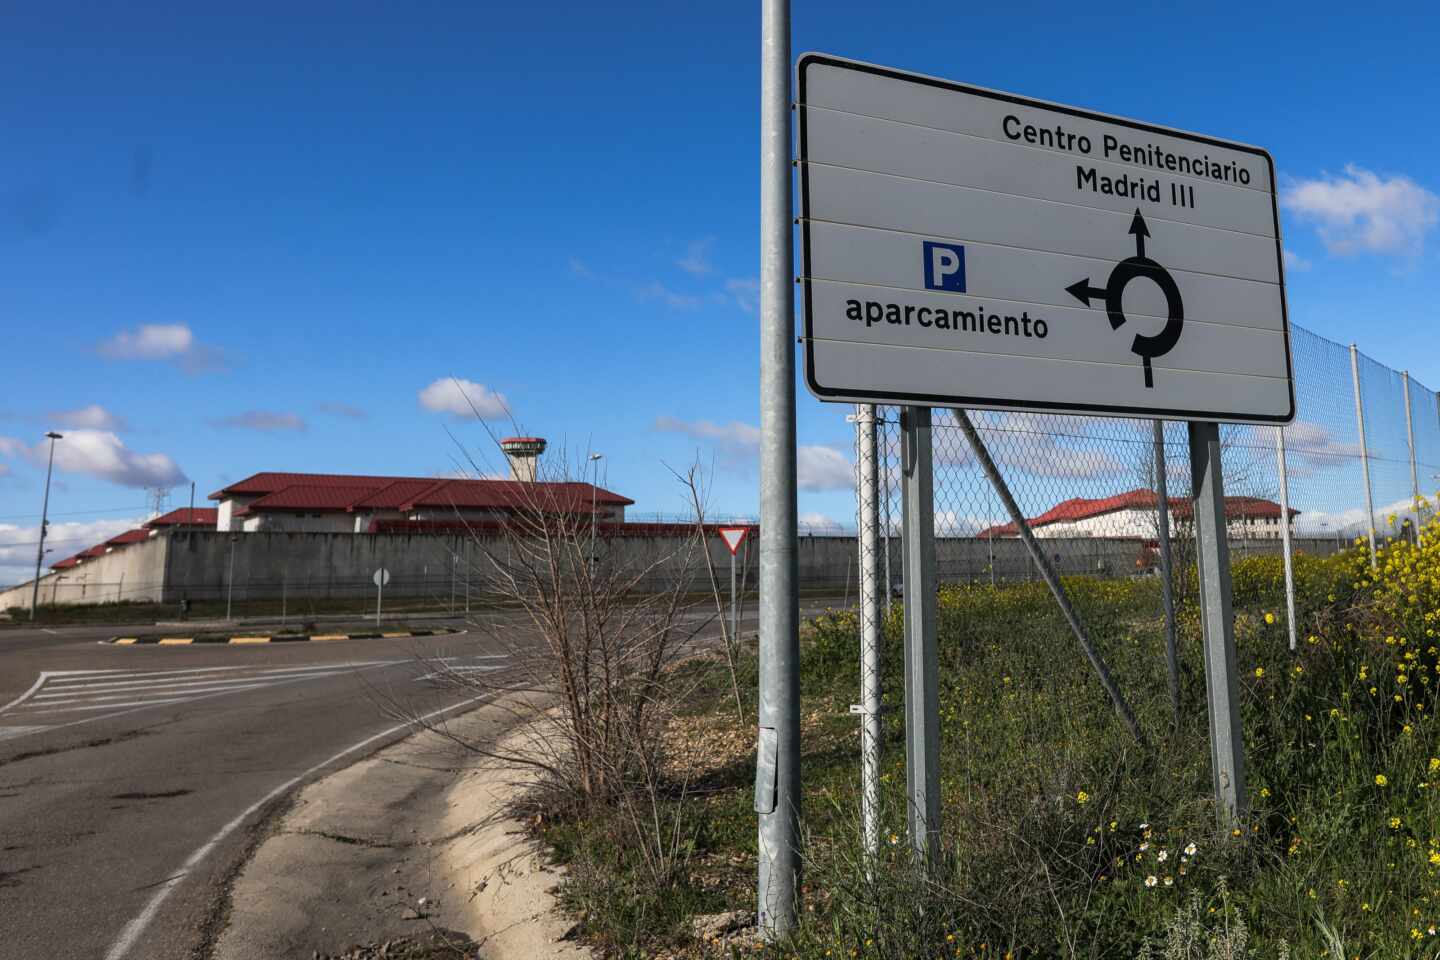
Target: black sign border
x=929, y=400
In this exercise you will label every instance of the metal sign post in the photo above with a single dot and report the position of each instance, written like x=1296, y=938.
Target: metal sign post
x=922, y=697
x=1285, y=546
x=1222, y=690
x=777, y=766
x=382, y=577
x=733, y=537
x=1167, y=584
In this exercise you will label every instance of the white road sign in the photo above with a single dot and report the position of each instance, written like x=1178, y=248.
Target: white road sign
x=963, y=247
x=382, y=577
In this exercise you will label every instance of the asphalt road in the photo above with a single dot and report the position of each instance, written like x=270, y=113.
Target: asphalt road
x=134, y=779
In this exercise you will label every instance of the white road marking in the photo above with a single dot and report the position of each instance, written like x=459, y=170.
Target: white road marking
x=58, y=695
x=107, y=686
x=7, y=732
x=132, y=930
x=117, y=706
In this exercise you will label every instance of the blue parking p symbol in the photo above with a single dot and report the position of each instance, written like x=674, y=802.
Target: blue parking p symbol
x=944, y=266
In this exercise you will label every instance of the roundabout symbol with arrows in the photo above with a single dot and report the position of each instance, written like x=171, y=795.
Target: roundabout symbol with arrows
x=1133, y=268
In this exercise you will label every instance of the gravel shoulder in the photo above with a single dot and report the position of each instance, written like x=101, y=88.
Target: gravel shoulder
x=408, y=854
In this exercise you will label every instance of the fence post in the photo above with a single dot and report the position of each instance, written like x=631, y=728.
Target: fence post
x=1167, y=585
x=1364, y=452
x=889, y=524
x=922, y=696
x=1410, y=439
x=1222, y=690
x=1285, y=533
x=869, y=706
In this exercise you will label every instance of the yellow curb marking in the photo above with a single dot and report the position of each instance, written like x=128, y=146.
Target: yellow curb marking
x=175, y=641
x=396, y=634
x=249, y=639
x=127, y=640
x=330, y=636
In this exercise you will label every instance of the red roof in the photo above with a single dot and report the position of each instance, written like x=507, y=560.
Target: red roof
x=513, y=494
x=187, y=517
x=357, y=494
x=129, y=536
x=67, y=563
x=1249, y=508
x=395, y=495
x=1080, y=508
x=262, y=483
x=307, y=497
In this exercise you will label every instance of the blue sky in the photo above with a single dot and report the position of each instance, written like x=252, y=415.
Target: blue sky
x=246, y=240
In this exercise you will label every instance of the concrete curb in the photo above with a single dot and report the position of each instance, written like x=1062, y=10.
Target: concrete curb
x=272, y=638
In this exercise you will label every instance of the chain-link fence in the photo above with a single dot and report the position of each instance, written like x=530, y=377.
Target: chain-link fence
x=1088, y=485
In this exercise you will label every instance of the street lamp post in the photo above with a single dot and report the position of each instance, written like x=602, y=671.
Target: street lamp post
x=594, y=479
x=230, y=579
x=44, y=522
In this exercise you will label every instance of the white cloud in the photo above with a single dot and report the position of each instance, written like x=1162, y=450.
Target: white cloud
x=1360, y=212
x=150, y=341
x=949, y=523
x=736, y=439
x=745, y=291
x=17, y=544
x=697, y=259
x=93, y=417
x=344, y=410
x=101, y=454
x=263, y=420
x=655, y=290
x=163, y=341
x=823, y=468
x=1351, y=522
x=1295, y=263
x=817, y=523
x=464, y=399
x=1309, y=447
x=817, y=467
x=1043, y=445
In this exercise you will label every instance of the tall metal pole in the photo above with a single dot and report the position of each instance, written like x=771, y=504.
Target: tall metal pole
x=922, y=697
x=885, y=506
x=1167, y=584
x=1285, y=544
x=868, y=493
x=1410, y=438
x=777, y=768
x=1222, y=689
x=230, y=579
x=44, y=522
x=1364, y=452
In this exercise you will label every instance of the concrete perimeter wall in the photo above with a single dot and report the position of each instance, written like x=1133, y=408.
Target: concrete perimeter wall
x=132, y=572
x=328, y=565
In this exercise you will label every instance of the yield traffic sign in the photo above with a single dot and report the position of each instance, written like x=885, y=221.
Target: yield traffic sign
x=733, y=537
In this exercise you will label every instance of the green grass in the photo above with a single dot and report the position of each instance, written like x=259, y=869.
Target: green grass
x=1054, y=819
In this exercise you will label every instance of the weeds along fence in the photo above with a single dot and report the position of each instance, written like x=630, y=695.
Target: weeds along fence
x=1090, y=486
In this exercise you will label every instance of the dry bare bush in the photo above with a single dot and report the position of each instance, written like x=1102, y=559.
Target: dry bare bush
x=590, y=626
